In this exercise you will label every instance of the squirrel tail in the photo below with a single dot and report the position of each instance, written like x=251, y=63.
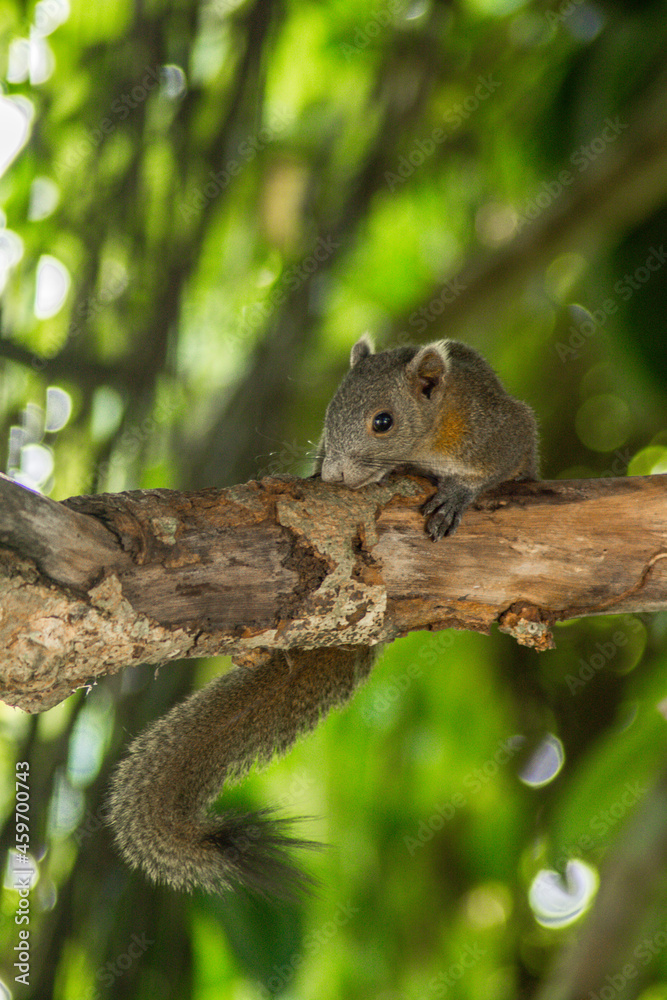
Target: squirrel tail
x=161, y=793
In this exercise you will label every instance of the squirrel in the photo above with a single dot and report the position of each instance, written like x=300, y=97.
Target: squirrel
x=437, y=410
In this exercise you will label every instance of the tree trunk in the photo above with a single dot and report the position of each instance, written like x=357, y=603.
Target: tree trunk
x=94, y=584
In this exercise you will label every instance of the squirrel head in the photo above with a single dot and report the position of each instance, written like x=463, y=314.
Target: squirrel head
x=384, y=408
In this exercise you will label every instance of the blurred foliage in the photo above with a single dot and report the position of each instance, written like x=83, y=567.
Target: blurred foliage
x=210, y=203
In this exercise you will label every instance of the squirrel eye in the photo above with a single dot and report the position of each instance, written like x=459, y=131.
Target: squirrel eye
x=382, y=422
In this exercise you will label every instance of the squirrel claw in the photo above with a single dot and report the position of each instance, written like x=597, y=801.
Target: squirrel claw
x=443, y=522
x=444, y=510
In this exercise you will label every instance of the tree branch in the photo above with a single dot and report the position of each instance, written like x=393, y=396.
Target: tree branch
x=94, y=584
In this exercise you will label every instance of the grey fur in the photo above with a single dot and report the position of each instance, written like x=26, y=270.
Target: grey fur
x=160, y=798
x=362, y=348
x=452, y=420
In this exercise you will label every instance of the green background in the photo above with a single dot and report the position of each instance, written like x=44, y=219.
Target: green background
x=235, y=192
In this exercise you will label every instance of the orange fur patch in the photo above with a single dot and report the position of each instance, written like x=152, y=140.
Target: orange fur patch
x=448, y=435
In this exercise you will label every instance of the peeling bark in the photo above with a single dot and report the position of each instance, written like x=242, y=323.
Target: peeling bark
x=94, y=584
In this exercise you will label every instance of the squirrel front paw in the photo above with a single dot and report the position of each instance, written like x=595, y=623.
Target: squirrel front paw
x=443, y=512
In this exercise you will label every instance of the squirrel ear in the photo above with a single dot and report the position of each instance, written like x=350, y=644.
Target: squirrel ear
x=362, y=348
x=428, y=368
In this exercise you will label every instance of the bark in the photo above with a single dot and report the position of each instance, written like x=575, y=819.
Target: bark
x=94, y=584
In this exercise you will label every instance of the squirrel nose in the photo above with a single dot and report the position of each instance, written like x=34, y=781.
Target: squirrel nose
x=332, y=471
x=354, y=478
